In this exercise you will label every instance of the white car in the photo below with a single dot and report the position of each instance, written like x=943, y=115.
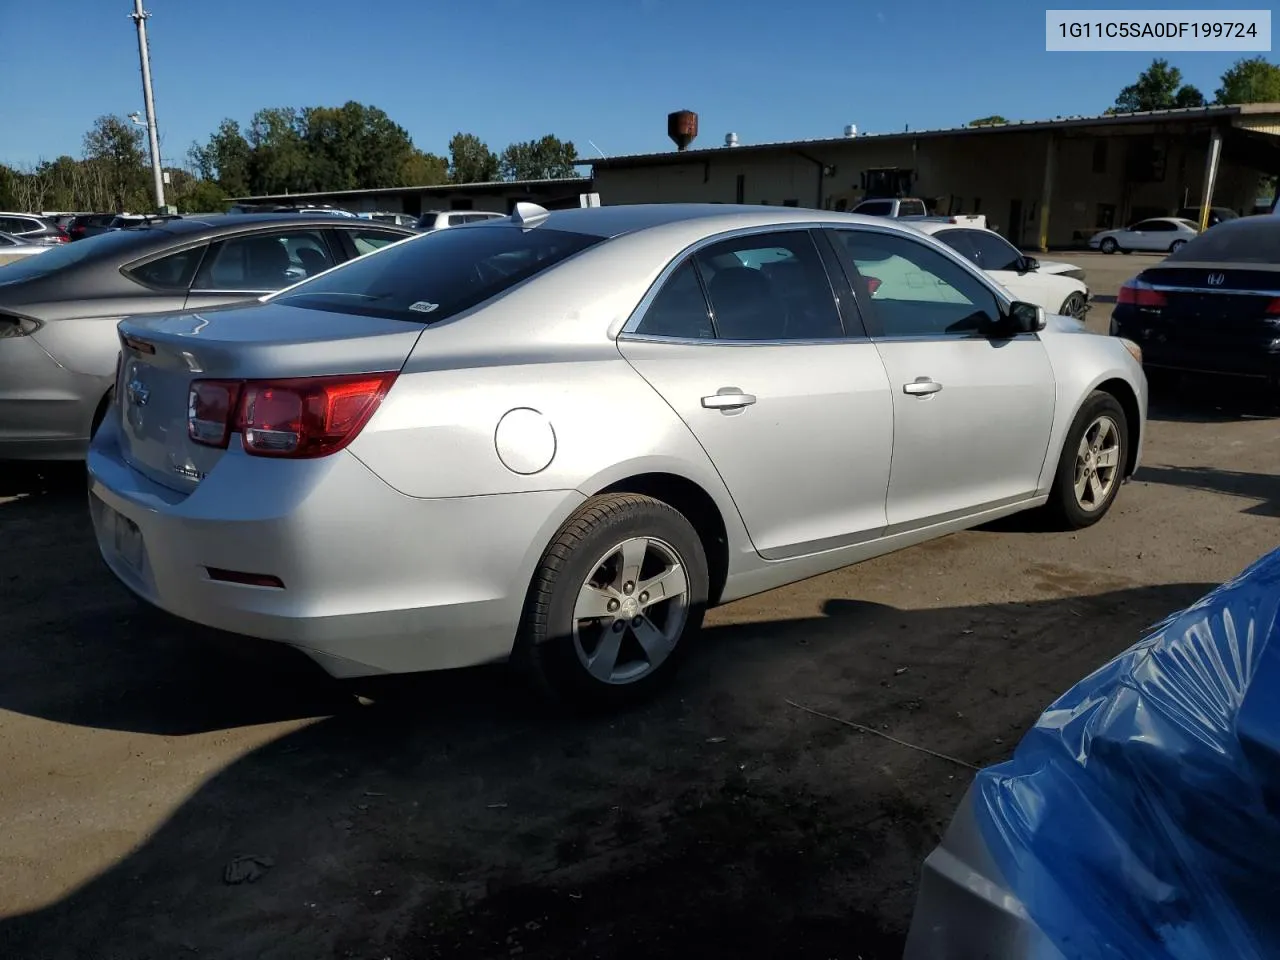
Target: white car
x=1057, y=287
x=1157, y=235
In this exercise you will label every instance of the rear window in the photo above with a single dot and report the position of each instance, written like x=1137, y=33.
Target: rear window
x=65, y=255
x=877, y=208
x=440, y=274
x=1243, y=240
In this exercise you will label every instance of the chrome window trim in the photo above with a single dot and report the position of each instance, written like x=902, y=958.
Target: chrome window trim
x=628, y=331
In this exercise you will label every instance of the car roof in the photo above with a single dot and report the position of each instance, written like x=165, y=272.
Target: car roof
x=707, y=217
x=938, y=226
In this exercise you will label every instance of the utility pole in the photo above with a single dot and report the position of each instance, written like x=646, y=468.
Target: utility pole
x=139, y=17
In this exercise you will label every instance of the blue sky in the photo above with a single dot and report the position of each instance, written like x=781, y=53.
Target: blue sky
x=602, y=70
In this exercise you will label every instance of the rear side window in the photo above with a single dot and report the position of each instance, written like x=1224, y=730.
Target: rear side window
x=679, y=309
x=440, y=274
x=173, y=272
x=1243, y=240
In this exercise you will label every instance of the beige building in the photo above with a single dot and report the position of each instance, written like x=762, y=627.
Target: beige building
x=1040, y=183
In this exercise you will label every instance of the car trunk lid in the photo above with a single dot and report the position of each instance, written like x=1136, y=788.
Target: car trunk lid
x=161, y=356
x=1215, y=306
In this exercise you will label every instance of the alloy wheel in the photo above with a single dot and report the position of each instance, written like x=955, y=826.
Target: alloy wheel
x=1097, y=463
x=631, y=611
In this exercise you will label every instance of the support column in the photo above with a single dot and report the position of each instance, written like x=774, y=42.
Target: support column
x=1046, y=191
x=1210, y=176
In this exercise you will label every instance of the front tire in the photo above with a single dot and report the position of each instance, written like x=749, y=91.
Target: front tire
x=614, y=603
x=1075, y=306
x=1091, y=467
x=1109, y=245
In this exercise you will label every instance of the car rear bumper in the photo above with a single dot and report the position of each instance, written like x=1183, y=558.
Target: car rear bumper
x=45, y=409
x=373, y=581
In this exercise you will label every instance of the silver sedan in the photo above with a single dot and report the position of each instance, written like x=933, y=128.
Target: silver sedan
x=557, y=438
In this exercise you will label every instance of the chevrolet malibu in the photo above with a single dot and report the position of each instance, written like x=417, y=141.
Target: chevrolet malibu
x=557, y=438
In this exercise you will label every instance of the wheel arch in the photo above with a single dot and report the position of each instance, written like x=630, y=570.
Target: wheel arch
x=1125, y=395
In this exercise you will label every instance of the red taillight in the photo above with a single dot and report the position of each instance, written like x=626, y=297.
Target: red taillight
x=1273, y=308
x=299, y=418
x=1139, y=294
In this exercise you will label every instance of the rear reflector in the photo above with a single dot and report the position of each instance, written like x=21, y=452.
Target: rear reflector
x=1139, y=294
x=298, y=418
x=245, y=579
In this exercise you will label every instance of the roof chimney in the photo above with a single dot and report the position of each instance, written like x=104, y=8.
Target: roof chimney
x=682, y=128
x=851, y=130
x=730, y=139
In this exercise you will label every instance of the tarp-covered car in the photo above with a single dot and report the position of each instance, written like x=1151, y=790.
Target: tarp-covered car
x=1140, y=817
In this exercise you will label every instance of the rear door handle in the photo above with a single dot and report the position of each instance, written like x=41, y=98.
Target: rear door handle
x=728, y=398
x=921, y=387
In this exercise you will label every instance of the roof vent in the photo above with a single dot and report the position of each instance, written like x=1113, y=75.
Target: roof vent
x=730, y=139
x=851, y=130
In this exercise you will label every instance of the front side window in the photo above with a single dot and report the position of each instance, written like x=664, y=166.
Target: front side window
x=906, y=289
x=439, y=274
x=769, y=287
x=263, y=261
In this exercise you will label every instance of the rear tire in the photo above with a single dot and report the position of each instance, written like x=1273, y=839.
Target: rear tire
x=1091, y=466
x=595, y=632
x=1177, y=245
x=1109, y=245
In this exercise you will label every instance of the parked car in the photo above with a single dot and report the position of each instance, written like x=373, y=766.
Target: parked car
x=89, y=225
x=31, y=228
x=439, y=219
x=978, y=220
x=399, y=219
x=1157, y=235
x=15, y=248
x=58, y=311
x=407, y=463
x=1057, y=287
x=133, y=221
x=892, y=207
x=1212, y=306
x=1217, y=215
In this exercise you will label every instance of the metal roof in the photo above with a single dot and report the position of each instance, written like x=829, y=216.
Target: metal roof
x=1020, y=126
x=487, y=185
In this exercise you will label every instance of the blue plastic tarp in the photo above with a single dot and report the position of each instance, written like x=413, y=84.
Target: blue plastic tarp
x=1140, y=817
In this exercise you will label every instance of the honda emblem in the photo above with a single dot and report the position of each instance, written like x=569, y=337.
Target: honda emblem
x=1216, y=279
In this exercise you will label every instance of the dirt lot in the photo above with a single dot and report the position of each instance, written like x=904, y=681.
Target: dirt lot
x=452, y=817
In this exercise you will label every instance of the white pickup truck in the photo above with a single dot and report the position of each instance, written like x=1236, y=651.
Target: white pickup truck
x=913, y=208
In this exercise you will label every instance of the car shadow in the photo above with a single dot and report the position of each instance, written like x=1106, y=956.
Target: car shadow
x=1193, y=399
x=1262, y=488
x=453, y=816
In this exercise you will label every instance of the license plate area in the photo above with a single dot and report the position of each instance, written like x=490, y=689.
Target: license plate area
x=125, y=539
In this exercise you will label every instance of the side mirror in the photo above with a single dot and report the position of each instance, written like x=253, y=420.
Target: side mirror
x=1025, y=317
x=1030, y=264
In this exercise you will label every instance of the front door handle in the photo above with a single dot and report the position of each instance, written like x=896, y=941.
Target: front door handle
x=728, y=398
x=921, y=387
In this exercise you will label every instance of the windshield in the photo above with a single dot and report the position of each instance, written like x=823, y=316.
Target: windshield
x=436, y=276
x=1243, y=240
x=66, y=254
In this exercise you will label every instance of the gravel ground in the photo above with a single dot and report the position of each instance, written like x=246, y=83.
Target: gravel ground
x=452, y=816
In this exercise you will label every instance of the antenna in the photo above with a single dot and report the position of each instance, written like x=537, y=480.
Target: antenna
x=597, y=150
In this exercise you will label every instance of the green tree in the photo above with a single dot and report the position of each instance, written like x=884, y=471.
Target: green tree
x=1159, y=87
x=224, y=160
x=1251, y=80
x=423, y=170
x=354, y=146
x=279, y=161
x=990, y=121
x=117, y=171
x=471, y=160
x=549, y=158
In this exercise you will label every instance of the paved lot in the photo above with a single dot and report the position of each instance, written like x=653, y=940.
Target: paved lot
x=454, y=817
